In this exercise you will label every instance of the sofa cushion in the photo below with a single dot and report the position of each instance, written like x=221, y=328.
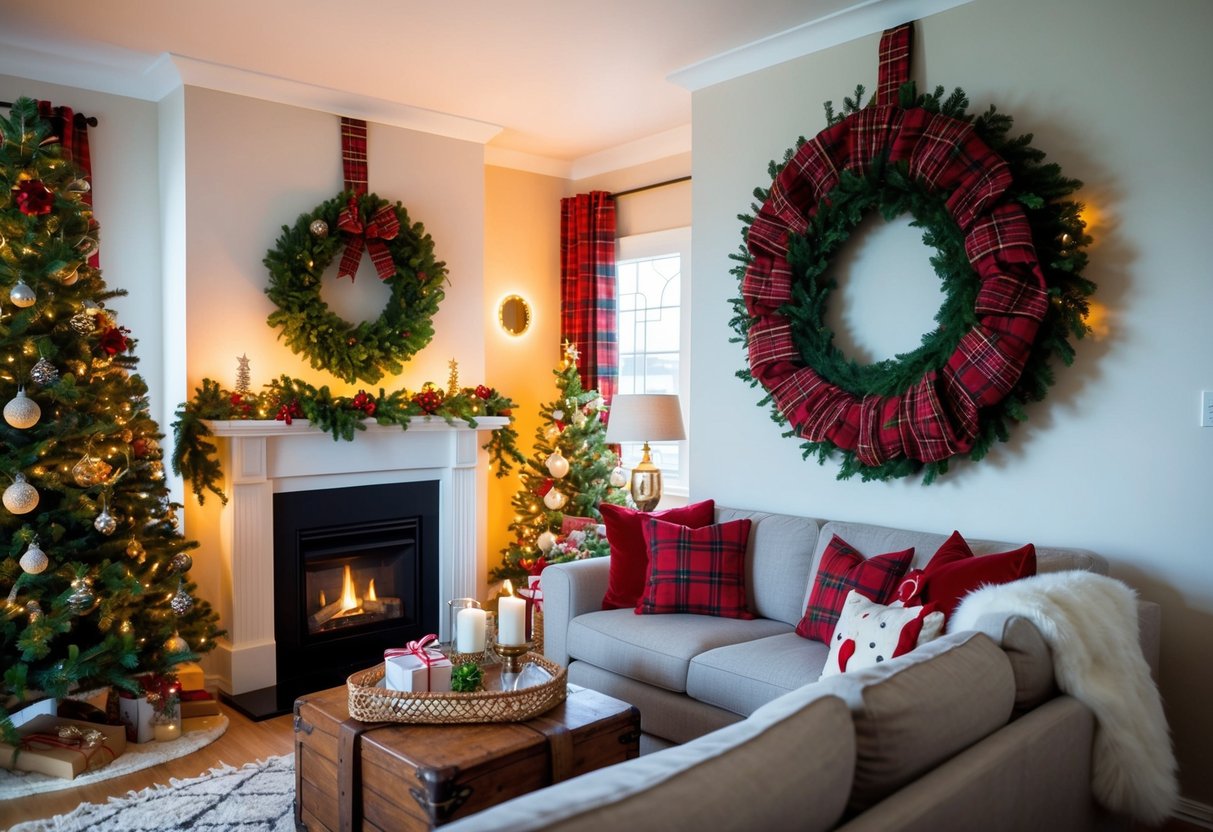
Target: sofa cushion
x=630, y=556
x=700, y=571
x=778, y=561
x=869, y=633
x=915, y=711
x=657, y=649
x=724, y=781
x=843, y=568
x=743, y=677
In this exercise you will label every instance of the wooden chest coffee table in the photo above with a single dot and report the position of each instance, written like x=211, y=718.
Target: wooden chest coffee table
x=351, y=775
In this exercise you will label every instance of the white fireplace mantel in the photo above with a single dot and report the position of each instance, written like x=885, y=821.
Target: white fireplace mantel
x=261, y=458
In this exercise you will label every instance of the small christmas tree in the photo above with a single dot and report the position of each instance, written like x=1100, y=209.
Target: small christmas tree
x=570, y=472
x=93, y=586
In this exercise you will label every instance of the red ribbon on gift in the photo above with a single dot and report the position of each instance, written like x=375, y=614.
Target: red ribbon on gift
x=420, y=649
x=383, y=225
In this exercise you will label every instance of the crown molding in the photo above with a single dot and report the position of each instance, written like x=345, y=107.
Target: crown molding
x=864, y=18
x=517, y=160
x=648, y=149
x=199, y=73
x=90, y=66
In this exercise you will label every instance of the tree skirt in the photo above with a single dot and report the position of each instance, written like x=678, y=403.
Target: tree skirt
x=135, y=758
x=256, y=798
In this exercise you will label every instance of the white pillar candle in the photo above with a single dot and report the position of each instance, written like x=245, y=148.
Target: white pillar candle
x=470, y=625
x=511, y=618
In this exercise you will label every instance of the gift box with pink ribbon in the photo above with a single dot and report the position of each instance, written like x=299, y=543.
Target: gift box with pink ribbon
x=417, y=667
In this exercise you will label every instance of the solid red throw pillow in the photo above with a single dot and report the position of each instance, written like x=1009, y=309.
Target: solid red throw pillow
x=700, y=571
x=955, y=571
x=630, y=555
x=843, y=569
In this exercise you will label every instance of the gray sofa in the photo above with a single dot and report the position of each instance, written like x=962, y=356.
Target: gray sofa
x=966, y=732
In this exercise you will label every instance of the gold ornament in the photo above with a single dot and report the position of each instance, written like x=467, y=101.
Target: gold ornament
x=176, y=644
x=91, y=471
x=134, y=549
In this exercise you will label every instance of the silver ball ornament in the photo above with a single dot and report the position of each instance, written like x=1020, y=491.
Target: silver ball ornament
x=22, y=295
x=319, y=228
x=182, y=603
x=34, y=561
x=43, y=373
x=83, y=599
x=22, y=412
x=105, y=522
x=20, y=497
x=618, y=478
x=176, y=644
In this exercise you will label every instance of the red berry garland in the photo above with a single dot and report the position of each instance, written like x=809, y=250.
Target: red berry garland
x=429, y=399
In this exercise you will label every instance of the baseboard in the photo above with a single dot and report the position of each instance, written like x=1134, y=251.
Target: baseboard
x=1198, y=814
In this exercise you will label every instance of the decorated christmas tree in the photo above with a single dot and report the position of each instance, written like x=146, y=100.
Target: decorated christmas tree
x=570, y=472
x=93, y=569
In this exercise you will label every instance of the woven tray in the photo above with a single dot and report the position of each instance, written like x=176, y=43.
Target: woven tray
x=371, y=703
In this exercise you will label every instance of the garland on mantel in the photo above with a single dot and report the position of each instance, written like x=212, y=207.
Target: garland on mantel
x=195, y=456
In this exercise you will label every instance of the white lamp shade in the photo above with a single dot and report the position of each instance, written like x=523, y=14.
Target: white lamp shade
x=645, y=417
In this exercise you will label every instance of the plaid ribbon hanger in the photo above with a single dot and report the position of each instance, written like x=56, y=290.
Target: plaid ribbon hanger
x=383, y=225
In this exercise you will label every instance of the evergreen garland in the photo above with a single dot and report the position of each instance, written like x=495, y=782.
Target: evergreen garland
x=371, y=349
x=1058, y=235
x=195, y=456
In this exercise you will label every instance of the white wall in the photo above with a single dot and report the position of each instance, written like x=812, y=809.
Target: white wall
x=1112, y=460
x=253, y=166
x=125, y=183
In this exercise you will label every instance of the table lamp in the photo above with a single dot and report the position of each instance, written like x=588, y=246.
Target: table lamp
x=645, y=417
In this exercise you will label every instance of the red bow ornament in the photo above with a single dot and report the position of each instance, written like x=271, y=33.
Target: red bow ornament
x=384, y=225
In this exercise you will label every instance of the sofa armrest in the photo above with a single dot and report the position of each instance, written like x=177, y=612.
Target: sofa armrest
x=569, y=590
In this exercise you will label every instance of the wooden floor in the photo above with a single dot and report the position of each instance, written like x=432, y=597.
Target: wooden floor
x=243, y=742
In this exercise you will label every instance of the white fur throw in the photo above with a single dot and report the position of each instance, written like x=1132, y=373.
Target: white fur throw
x=1090, y=623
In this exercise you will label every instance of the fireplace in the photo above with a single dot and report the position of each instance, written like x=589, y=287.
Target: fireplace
x=263, y=460
x=355, y=572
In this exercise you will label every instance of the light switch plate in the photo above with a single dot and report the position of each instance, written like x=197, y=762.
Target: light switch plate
x=1206, y=409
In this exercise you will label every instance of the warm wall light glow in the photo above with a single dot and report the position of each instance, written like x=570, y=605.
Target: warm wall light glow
x=508, y=587
x=1098, y=317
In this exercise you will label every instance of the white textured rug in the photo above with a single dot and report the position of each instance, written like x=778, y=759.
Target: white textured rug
x=256, y=798
x=136, y=758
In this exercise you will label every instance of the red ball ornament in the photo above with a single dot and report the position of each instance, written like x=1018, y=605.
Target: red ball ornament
x=429, y=399
x=543, y=490
x=483, y=392
x=33, y=197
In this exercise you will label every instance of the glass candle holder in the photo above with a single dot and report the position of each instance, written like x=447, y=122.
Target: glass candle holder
x=454, y=607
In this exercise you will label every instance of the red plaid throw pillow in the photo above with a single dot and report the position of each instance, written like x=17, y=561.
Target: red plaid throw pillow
x=843, y=569
x=699, y=571
x=629, y=567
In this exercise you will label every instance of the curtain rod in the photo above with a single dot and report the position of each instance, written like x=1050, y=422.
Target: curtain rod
x=91, y=121
x=631, y=191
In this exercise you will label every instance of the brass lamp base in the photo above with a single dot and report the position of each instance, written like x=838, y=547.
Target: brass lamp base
x=646, y=483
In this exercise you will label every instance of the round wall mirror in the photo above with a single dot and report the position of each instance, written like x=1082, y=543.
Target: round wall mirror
x=514, y=315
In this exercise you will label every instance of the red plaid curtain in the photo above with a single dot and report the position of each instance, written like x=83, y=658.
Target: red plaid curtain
x=71, y=128
x=587, y=287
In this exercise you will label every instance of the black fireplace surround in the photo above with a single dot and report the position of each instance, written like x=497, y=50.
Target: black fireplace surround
x=387, y=532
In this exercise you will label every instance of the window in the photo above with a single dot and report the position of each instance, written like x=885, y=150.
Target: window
x=654, y=273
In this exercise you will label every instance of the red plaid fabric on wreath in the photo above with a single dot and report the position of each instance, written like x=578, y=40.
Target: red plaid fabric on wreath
x=938, y=417
x=700, y=571
x=843, y=569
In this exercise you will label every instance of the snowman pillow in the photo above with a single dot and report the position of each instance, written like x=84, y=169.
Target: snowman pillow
x=869, y=633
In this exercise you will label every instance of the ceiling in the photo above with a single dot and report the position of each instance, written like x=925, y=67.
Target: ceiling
x=562, y=79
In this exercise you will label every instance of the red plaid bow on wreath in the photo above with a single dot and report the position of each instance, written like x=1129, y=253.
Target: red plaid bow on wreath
x=384, y=225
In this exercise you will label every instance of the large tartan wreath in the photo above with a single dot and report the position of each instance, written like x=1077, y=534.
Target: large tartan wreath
x=1009, y=251
x=403, y=255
